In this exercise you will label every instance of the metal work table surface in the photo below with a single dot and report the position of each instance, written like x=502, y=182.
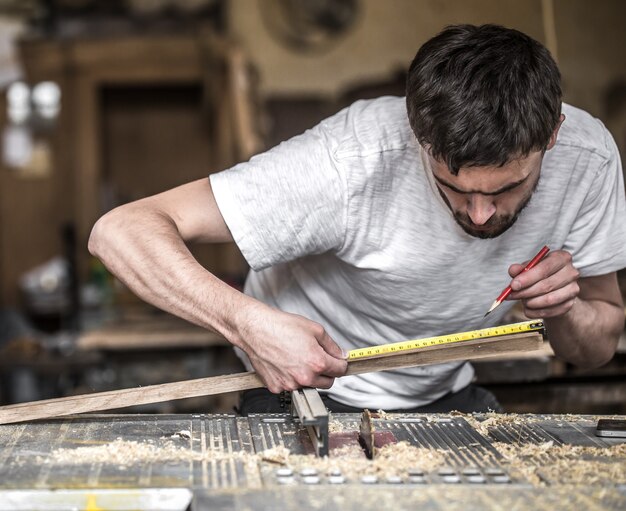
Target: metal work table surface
x=228, y=462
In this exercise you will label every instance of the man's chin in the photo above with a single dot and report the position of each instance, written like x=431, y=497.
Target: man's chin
x=485, y=233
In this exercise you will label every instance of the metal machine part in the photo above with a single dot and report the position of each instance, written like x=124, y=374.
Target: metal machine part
x=366, y=434
x=307, y=405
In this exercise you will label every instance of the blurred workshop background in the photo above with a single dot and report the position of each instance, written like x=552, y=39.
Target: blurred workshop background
x=103, y=102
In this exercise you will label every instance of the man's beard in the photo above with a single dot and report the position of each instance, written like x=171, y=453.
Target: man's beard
x=493, y=227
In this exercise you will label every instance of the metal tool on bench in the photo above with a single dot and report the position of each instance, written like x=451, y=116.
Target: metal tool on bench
x=308, y=406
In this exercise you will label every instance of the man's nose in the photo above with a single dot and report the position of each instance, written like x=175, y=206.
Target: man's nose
x=480, y=208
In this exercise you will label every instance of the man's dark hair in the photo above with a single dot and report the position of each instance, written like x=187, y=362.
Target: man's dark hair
x=483, y=95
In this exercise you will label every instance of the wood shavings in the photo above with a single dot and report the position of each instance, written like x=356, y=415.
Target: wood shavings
x=493, y=420
x=566, y=464
x=335, y=426
x=482, y=423
x=124, y=453
x=119, y=452
x=277, y=454
x=391, y=460
x=128, y=452
x=538, y=463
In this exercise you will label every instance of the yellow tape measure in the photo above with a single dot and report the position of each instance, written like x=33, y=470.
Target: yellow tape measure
x=485, y=333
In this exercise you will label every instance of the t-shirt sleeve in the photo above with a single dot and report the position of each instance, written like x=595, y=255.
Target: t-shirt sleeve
x=597, y=240
x=286, y=203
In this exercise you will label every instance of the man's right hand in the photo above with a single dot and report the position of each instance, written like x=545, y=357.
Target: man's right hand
x=288, y=351
x=144, y=244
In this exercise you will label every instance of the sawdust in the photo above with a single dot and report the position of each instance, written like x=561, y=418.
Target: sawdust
x=128, y=452
x=536, y=463
x=493, y=420
x=482, y=423
x=278, y=455
x=335, y=426
x=124, y=453
x=566, y=464
x=391, y=460
x=547, y=462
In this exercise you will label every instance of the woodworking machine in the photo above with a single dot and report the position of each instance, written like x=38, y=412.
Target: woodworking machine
x=227, y=466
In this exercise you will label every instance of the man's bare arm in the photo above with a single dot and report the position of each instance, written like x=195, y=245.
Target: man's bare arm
x=584, y=316
x=144, y=244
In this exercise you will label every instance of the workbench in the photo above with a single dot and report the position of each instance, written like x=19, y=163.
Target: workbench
x=469, y=462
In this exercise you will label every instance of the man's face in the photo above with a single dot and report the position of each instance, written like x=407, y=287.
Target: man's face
x=486, y=201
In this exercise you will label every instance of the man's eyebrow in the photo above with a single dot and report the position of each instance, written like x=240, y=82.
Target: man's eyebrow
x=505, y=188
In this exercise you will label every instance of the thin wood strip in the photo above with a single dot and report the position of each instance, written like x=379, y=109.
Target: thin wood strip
x=98, y=401
x=497, y=340
x=544, y=351
x=467, y=350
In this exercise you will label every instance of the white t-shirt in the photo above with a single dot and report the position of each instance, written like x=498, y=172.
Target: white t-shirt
x=344, y=225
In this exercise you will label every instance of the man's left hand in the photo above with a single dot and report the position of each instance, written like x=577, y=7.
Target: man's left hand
x=549, y=289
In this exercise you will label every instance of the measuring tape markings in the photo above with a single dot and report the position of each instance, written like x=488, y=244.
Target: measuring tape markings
x=485, y=333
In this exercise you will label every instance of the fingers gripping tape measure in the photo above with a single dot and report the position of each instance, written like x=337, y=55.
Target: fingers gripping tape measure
x=485, y=333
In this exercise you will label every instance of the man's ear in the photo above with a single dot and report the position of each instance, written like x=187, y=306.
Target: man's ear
x=555, y=133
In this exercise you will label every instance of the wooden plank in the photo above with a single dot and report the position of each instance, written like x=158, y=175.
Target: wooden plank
x=128, y=397
x=467, y=350
x=545, y=351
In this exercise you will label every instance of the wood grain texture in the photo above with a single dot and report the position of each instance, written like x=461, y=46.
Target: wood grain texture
x=467, y=350
x=128, y=397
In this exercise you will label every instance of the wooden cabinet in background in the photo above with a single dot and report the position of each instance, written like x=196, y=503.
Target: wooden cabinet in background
x=139, y=114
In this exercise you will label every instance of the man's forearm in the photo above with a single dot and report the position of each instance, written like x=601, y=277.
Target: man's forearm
x=145, y=251
x=588, y=333
x=143, y=244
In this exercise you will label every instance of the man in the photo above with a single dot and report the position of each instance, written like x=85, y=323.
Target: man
x=379, y=226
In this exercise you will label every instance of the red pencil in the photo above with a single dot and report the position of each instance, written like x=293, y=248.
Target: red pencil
x=508, y=289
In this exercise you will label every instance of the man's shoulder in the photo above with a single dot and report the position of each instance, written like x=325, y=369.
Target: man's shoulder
x=370, y=127
x=582, y=131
